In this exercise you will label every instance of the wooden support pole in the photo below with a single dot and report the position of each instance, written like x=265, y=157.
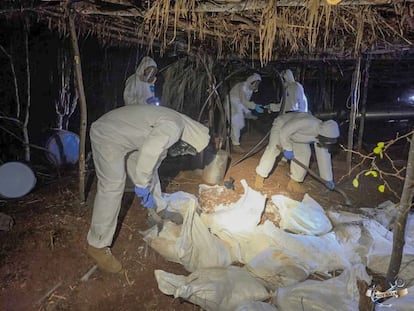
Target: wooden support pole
x=356, y=78
x=83, y=110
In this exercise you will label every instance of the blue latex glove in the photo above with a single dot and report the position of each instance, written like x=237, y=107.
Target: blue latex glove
x=153, y=101
x=330, y=185
x=152, y=88
x=259, y=108
x=147, y=200
x=288, y=154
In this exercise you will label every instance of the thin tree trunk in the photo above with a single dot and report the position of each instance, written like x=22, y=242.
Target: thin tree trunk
x=354, y=108
x=27, y=114
x=16, y=86
x=401, y=221
x=364, y=103
x=83, y=111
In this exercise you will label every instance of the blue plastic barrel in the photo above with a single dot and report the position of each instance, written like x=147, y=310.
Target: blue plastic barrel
x=63, y=147
x=16, y=180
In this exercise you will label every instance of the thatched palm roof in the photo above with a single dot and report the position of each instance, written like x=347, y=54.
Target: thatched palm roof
x=259, y=29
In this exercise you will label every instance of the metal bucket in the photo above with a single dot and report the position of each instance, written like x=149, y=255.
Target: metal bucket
x=216, y=167
x=16, y=180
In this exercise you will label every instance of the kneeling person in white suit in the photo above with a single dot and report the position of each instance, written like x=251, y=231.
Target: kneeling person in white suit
x=144, y=134
x=295, y=132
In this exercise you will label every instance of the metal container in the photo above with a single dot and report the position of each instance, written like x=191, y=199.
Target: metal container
x=216, y=166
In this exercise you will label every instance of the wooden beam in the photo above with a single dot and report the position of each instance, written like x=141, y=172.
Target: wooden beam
x=87, y=8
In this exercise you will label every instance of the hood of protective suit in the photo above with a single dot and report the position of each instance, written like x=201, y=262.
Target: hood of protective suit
x=195, y=134
x=329, y=129
x=144, y=64
x=288, y=76
x=254, y=77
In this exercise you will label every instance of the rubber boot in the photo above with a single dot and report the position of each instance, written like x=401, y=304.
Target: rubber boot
x=283, y=162
x=237, y=149
x=258, y=184
x=104, y=259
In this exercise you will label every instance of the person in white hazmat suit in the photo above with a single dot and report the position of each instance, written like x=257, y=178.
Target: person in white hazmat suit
x=146, y=134
x=140, y=87
x=295, y=98
x=294, y=133
x=295, y=101
x=240, y=105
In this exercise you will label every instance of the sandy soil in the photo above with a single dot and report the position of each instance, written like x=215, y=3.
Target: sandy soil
x=42, y=259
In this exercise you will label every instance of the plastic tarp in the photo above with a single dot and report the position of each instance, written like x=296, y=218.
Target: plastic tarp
x=336, y=294
x=213, y=289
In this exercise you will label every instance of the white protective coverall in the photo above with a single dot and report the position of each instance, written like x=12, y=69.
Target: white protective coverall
x=295, y=95
x=147, y=132
x=240, y=105
x=137, y=91
x=296, y=131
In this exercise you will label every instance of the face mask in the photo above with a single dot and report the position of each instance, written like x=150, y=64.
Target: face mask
x=255, y=86
x=326, y=142
x=149, y=74
x=181, y=148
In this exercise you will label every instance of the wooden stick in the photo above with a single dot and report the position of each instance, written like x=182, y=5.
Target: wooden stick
x=49, y=292
x=88, y=274
x=83, y=110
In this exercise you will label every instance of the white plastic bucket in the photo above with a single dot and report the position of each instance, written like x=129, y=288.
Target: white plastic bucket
x=16, y=180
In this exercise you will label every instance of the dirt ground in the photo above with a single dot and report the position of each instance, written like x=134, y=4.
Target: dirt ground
x=42, y=259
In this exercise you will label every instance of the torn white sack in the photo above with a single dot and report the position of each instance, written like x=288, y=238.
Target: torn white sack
x=306, y=217
x=213, y=289
x=242, y=216
x=316, y=253
x=277, y=268
x=256, y=306
x=336, y=294
x=380, y=250
x=193, y=245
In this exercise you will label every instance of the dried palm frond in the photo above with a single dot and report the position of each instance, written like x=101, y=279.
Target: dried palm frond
x=185, y=86
x=264, y=30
